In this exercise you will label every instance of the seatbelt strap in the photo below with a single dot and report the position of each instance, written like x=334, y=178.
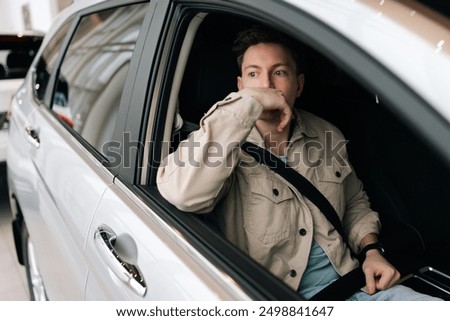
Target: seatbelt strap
x=342, y=288
x=301, y=183
x=349, y=283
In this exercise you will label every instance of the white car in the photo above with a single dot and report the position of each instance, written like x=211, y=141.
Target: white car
x=115, y=85
x=16, y=54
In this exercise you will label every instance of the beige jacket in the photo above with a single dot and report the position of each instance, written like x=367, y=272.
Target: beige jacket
x=259, y=211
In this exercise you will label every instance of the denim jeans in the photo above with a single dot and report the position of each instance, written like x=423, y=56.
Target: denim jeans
x=395, y=293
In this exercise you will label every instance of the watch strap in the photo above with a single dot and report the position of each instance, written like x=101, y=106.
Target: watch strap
x=372, y=246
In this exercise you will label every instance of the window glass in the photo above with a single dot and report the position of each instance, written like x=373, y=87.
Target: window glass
x=93, y=72
x=47, y=61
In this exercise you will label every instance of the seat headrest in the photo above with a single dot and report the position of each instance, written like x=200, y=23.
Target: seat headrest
x=18, y=60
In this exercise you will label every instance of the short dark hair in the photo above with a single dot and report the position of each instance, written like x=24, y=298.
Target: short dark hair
x=259, y=34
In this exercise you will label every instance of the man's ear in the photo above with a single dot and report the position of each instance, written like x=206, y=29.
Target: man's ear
x=239, y=83
x=301, y=83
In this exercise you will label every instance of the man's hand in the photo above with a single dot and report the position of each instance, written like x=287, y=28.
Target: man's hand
x=272, y=100
x=380, y=274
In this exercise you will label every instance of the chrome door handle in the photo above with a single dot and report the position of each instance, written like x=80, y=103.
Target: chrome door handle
x=33, y=137
x=105, y=239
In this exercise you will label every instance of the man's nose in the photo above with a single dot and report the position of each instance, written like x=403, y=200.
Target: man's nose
x=267, y=82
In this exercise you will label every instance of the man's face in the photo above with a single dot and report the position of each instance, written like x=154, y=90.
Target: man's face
x=269, y=65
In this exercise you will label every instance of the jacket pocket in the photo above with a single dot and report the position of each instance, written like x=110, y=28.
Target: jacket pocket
x=332, y=174
x=268, y=210
x=330, y=183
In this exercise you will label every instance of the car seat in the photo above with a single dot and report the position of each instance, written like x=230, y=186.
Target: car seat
x=17, y=64
x=211, y=71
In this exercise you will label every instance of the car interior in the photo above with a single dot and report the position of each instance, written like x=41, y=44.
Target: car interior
x=404, y=177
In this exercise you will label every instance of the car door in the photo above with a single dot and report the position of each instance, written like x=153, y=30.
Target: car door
x=67, y=140
x=141, y=247
x=133, y=253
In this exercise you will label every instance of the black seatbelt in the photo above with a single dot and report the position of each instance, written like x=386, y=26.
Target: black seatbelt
x=348, y=284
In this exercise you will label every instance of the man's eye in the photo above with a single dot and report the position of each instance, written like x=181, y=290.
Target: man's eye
x=252, y=74
x=280, y=72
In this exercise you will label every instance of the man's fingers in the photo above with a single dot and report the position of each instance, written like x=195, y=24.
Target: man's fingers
x=272, y=99
x=387, y=280
x=285, y=116
x=370, y=283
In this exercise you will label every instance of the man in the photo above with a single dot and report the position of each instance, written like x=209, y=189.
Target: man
x=258, y=210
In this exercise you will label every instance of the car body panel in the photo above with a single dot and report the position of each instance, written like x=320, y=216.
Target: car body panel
x=171, y=268
x=58, y=212
x=381, y=27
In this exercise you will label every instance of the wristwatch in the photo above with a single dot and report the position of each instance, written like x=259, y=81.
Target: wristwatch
x=372, y=246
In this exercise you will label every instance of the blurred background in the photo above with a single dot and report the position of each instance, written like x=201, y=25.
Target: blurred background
x=20, y=15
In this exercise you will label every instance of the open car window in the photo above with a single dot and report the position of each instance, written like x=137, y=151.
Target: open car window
x=399, y=166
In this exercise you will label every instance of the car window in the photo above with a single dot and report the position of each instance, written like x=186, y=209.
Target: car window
x=200, y=71
x=47, y=61
x=206, y=72
x=93, y=72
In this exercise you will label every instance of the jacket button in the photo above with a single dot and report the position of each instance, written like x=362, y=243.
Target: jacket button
x=338, y=174
x=275, y=192
x=302, y=232
x=293, y=273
